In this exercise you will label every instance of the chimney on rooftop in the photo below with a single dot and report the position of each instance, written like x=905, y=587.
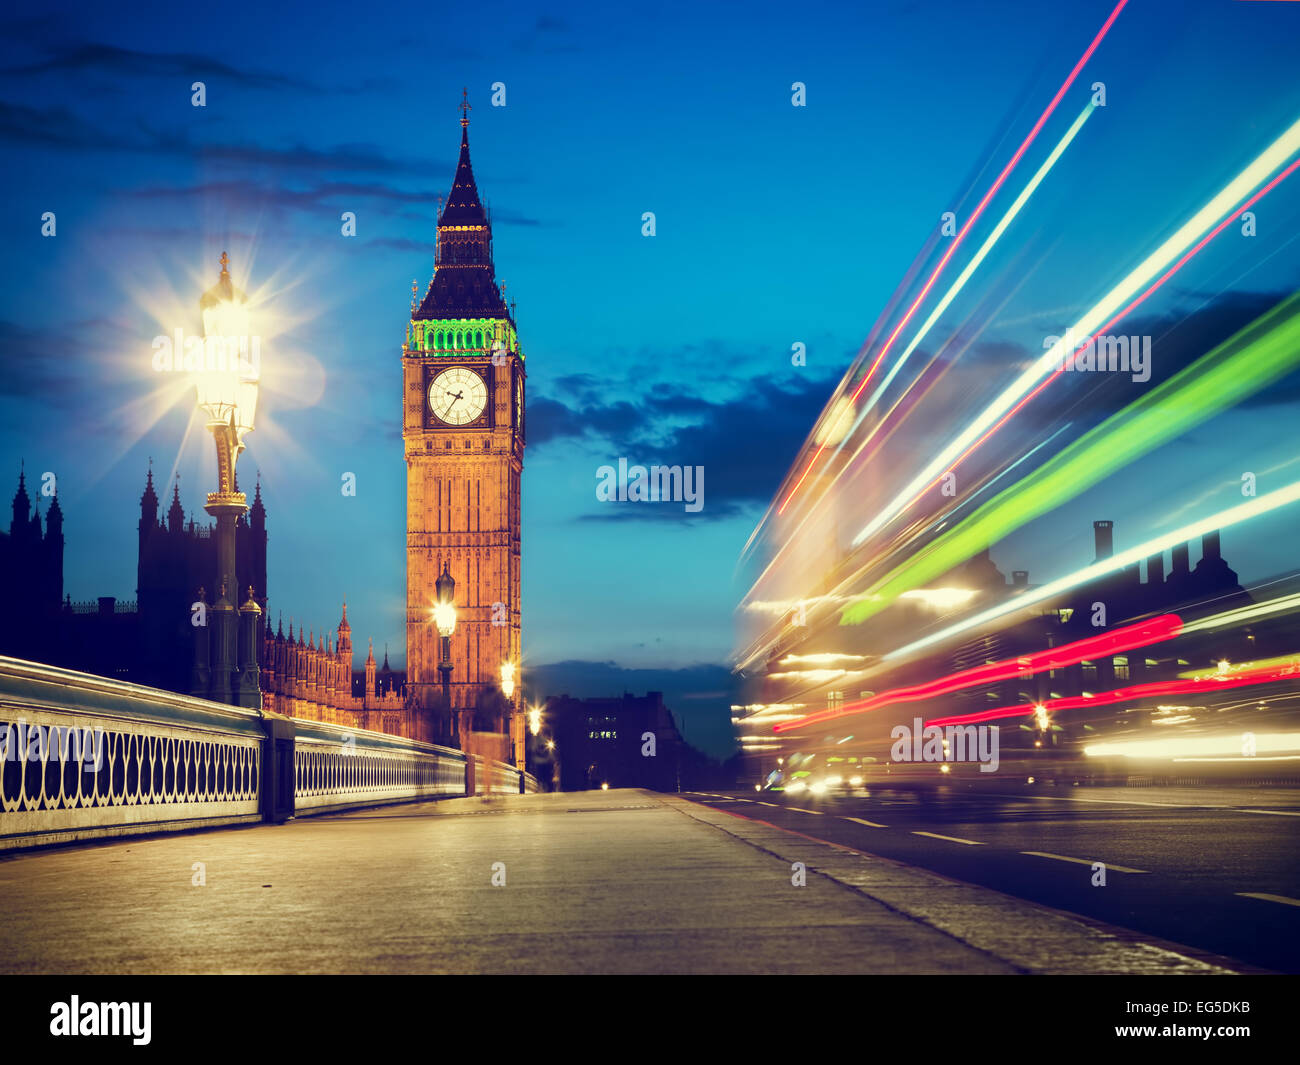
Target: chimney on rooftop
x=1156, y=569
x=1103, y=534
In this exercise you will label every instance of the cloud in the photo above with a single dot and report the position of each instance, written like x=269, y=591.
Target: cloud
x=745, y=442
x=58, y=128
x=98, y=58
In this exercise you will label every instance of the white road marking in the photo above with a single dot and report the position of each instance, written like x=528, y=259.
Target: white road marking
x=1083, y=861
x=1139, y=802
x=951, y=839
x=869, y=824
x=1269, y=898
x=797, y=810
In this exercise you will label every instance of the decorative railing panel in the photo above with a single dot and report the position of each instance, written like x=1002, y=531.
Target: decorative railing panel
x=336, y=767
x=86, y=756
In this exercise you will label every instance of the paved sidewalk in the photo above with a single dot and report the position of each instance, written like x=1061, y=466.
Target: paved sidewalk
x=606, y=882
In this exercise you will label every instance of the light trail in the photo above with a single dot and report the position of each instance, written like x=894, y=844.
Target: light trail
x=1244, y=364
x=961, y=235
x=971, y=267
x=1227, y=220
x=1127, y=638
x=1222, y=520
x=1245, y=613
x=1132, y=693
x=1098, y=318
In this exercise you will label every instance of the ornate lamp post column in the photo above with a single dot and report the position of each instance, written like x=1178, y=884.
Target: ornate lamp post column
x=444, y=617
x=227, y=394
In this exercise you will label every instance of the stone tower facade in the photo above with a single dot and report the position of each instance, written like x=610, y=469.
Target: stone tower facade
x=463, y=431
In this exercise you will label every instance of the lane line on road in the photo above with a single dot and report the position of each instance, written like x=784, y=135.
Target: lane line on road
x=798, y=810
x=869, y=824
x=1172, y=805
x=951, y=839
x=1083, y=861
x=1269, y=898
x=762, y=803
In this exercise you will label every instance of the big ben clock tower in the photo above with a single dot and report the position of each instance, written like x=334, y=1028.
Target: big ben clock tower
x=463, y=431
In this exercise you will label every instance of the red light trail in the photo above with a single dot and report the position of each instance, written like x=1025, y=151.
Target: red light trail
x=1142, y=634
x=961, y=235
x=1156, y=689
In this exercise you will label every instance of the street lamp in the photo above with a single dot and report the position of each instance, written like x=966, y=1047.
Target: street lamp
x=227, y=385
x=444, y=618
x=508, y=679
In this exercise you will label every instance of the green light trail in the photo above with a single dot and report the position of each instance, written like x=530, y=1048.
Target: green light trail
x=1259, y=354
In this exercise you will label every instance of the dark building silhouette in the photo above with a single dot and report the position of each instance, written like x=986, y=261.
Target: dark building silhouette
x=1107, y=603
x=600, y=741
x=31, y=568
x=176, y=559
x=148, y=641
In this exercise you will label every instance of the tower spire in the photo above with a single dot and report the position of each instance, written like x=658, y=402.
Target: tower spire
x=463, y=285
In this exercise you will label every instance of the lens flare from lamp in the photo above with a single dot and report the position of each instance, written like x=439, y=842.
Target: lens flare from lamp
x=444, y=617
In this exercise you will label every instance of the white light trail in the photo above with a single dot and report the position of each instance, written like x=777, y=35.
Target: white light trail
x=1268, y=161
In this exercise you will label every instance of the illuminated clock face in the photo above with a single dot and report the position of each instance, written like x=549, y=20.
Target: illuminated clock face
x=519, y=401
x=457, y=396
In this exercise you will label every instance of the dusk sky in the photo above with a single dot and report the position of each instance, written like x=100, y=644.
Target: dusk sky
x=775, y=225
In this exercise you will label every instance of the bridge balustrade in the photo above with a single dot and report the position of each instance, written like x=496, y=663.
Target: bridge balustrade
x=83, y=757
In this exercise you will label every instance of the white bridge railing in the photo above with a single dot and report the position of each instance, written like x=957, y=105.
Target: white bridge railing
x=84, y=757
x=335, y=767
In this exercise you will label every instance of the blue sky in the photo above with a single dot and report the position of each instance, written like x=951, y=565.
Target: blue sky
x=775, y=225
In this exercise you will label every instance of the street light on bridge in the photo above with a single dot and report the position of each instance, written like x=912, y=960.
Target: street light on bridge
x=227, y=387
x=444, y=618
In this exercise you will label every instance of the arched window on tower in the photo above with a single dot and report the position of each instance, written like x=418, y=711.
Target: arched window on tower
x=438, y=340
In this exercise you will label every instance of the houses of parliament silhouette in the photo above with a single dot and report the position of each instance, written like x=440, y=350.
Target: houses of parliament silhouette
x=151, y=641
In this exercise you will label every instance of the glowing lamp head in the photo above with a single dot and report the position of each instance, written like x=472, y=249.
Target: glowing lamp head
x=444, y=619
x=535, y=719
x=224, y=307
x=507, y=679
x=1041, y=717
x=226, y=376
x=444, y=611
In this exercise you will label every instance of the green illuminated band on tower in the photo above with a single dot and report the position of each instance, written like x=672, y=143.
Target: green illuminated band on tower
x=442, y=337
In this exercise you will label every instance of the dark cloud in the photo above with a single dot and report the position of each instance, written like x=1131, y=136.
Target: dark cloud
x=37, y=364
x=94, y=57
x=60, y=129
x=744, y=443
x=546, y=36
x=1178, y=338
x=109, y=59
